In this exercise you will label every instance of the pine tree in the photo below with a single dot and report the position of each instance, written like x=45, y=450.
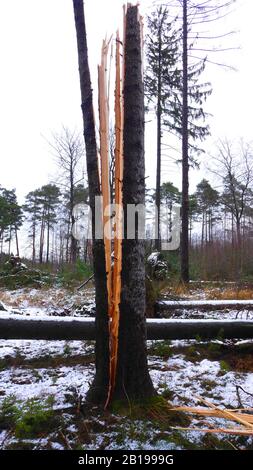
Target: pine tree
x=41, y=206
x=11, y=217
x=207, y=200
x=161, y=80
x=172, y=85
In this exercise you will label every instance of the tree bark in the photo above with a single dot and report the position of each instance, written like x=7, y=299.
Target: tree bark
x=17, y=244
x=48, y=240
x=73, y=241
x=99, y=387
x=132, y=379
x=42, y=234
x=185, y=163
x=33, y=242
x=158, y=156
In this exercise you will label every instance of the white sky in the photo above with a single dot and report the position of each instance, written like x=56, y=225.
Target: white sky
x=40, y=85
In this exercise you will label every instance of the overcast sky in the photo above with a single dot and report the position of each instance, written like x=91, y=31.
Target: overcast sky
x=39, y=89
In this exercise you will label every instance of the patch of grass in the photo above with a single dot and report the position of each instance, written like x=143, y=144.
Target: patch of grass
x=70, y=275
x=9, y=412
x=224, y=366
x=154, y=290
x=46, y=361
x=28, y=419
x=156, y=408
x=214, y=347
x=229, y=293
x=67, y=348
x=208, y=384
x=161, y=349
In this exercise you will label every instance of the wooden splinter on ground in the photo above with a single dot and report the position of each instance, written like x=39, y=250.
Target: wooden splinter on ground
x=244, y=419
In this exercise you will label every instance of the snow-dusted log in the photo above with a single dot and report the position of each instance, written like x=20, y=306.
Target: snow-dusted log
x=18, y=327
x=169, y=305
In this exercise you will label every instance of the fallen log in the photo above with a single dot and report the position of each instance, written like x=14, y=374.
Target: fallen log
x=210, y=305
x=71, y=328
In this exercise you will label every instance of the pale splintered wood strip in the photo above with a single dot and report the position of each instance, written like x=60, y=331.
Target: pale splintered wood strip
x=235, y=431
x=213, y=413
x=104, y=158
x=225, y=413
x=117, y=267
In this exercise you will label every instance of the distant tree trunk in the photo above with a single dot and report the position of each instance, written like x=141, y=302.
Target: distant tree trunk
x=42, y=235
x=202, y=229
x=185, y=163
x=158, y=154
x=16, y=238
x=99, y=387
x=133, y=380
x=48, y=240
x=73, y=241
x=33, y=242
x=10, y=235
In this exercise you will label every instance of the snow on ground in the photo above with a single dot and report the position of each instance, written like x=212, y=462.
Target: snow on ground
x=36, y=349
x=229, y=314
x=40, y=383
x=188, y=380
x=207, y=303
x=37, y=369
x=50, y=301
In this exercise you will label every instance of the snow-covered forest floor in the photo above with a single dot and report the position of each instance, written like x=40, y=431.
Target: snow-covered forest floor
x=42, y=384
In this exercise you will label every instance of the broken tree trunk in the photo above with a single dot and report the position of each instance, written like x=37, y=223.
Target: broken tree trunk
x=114, y=308
x=99, y=387
x=132, y=380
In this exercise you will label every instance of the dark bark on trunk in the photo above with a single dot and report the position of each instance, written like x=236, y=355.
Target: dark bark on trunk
x=33, y=242
x=10, y=241
x=132, y=380
x=158, y=155
x=73, y=241
x=48, y=240
x=99, y=388
x=42, y=235
x=185, y=163
x=17, y=245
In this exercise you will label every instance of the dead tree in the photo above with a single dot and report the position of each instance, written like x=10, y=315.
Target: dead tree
x=99, y=387
x=68, y=149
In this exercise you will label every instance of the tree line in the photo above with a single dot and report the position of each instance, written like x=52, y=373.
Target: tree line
x=175, y=93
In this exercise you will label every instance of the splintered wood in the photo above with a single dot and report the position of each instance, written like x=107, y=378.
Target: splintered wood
x=244, y=419
x=112, y=223
x=104, y=159
x=117, y=255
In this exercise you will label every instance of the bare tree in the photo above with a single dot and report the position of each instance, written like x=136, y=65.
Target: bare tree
x=68, y=149
x=233, y=165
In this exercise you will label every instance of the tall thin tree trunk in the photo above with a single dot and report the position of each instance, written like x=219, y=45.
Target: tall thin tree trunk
x=42, y=234
x=10, y=242
x=185, y=163
x=99, y=387
x=48, y=241
x=33, y=241
x=158, y=155
x=202, y=229
x=73, y=241
x=16, y=238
